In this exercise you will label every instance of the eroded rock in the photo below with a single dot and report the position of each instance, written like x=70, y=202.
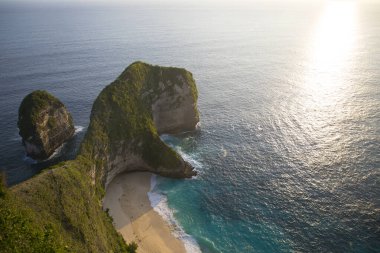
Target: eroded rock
x=44, y=124
x=129, y=115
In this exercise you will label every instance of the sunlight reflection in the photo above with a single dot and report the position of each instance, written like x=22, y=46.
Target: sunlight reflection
x=328, y=85
x=331, y=52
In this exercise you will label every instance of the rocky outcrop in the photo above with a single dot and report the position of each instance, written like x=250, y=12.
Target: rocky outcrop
x=130, y=113
x=60, y=209
x=44, y=124
x=174, y=109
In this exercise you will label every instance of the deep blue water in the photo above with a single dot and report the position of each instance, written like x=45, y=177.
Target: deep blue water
x=289, y=148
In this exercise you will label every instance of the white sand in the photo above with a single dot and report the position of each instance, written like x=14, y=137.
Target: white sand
x=129, y=205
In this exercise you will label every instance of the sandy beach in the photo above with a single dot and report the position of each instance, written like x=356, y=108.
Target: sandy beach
x=128, y=203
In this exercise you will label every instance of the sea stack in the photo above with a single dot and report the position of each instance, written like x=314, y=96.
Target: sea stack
x=44, y=124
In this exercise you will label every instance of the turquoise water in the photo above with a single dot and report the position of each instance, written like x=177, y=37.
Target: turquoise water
x=288, y=149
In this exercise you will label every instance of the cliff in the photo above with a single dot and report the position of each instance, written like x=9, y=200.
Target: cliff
x=60, y=209
x=130, y=113
x=44, y=124
x=56, y=211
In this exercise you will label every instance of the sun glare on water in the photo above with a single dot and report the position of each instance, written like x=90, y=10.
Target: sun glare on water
x=331, y=54
x=335, y=36
x=328, y=86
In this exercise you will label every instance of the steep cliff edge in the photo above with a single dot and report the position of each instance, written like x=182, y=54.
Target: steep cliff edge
x=44, y=124
x=130, y=113
x=57, y=211
x=60, y=209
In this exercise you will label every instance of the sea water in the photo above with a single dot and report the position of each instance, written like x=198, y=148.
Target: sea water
x=288, y=151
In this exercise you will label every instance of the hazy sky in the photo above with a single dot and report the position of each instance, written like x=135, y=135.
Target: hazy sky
x=158, y=2
x=174, y=1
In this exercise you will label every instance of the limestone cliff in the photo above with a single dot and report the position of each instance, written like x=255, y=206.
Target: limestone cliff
x=130, y=113
x=44, y=124
x=60, y=209
x=174, y=107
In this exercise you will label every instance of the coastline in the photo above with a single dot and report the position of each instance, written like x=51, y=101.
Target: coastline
x=134, y=218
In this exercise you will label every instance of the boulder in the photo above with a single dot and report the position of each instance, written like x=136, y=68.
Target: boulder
x=44, y=124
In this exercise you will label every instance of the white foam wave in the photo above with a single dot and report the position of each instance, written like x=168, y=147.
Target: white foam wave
x=30, y=160
x=78, y=129
x=160, y=205
x=58, y=151
x=192, y=159
x=166, y=137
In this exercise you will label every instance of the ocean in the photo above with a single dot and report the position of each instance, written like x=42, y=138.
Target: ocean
x=288, y=150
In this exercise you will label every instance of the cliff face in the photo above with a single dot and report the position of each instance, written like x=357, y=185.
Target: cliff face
x=44, y=124
x=130, y=113
x=174, y=109
x=60, y=209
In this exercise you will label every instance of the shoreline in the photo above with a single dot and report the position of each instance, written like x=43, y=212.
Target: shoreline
x=134, y=217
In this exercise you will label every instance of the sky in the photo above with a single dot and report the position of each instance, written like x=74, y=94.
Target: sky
x=161, y=1
x=177, y=3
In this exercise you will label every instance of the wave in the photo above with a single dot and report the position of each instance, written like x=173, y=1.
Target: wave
x=174, y=143
x=192, y=159
x=169, y=139
x=56, y=153
x=17, y=137
x=78, y=129
x=59, y=150
x=159, y=203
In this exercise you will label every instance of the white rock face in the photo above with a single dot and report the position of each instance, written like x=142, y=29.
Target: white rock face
x=126, y=161
x=175, y=110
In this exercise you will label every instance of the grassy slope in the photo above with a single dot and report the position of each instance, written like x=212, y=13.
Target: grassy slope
x=60, y=210
x=60, y=202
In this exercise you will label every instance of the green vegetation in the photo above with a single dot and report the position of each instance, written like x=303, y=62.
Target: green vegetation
x=60, y=209
x=45, y=123
x=57, y=211
x=122, y=112
x=31, y=108
x=18, y=232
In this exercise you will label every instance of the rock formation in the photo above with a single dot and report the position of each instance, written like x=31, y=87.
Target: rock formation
x=44, y=124
x=60, y=210
x=130, y=113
